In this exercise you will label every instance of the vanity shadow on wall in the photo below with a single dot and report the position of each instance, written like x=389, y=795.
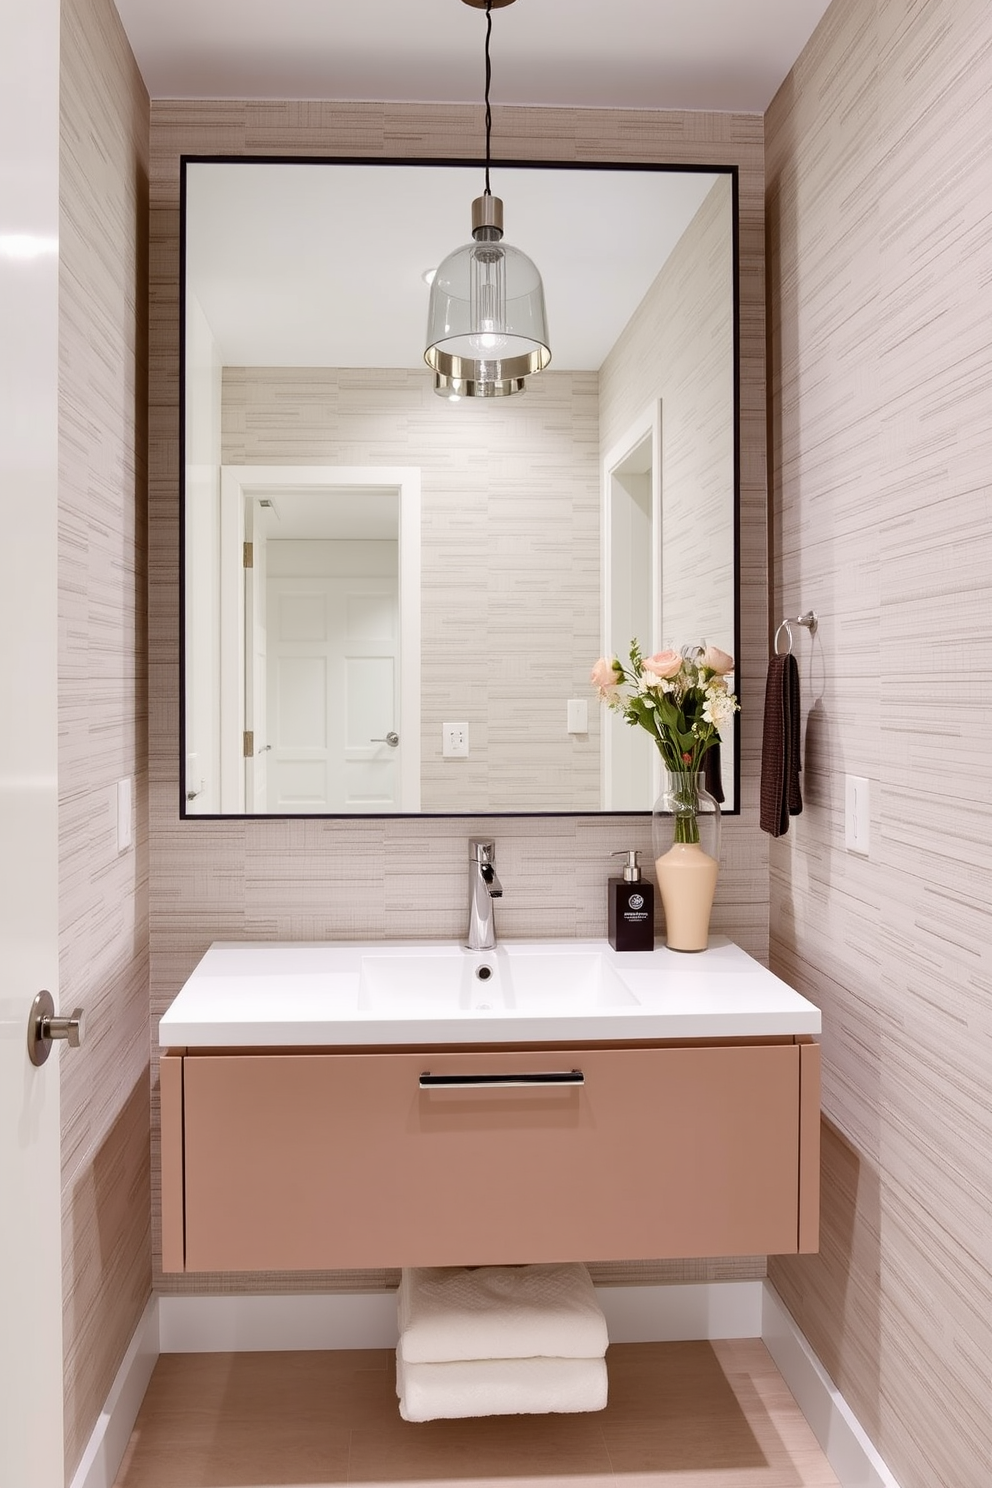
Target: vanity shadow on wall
x=392, y=602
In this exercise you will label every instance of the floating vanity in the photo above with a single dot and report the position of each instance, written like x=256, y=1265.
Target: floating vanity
x=343, y=1105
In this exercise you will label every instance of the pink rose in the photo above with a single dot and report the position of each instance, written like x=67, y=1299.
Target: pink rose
x=717, y=661
x=603, y=674
x=665, y=664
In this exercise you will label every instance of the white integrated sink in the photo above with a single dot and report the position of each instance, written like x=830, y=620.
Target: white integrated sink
x=509, y=979
x=336, y=994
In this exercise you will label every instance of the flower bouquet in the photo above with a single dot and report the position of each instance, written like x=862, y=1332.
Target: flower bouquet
x=682, y=699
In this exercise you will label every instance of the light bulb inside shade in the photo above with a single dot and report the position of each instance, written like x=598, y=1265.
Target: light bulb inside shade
x=487, y=341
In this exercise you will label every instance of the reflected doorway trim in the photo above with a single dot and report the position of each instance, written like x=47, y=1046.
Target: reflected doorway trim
x=625, y=761
x=239, y=481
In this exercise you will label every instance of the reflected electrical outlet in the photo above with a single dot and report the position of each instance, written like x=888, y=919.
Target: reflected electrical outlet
x=454, y=740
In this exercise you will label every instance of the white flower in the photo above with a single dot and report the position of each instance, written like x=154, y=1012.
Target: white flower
x=718, y=707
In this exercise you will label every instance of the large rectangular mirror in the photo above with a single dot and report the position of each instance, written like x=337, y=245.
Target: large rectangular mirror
x=392, y=601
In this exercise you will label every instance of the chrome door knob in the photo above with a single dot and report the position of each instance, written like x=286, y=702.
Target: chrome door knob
x=44, y=1028
x=392, y=739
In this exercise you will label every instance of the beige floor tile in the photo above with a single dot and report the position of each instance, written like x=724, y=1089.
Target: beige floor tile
x=268, y=1456
x=680, y=1415
x=661, y=1381
x=744, y=1356
x=685, y=1441
x=493, y=1447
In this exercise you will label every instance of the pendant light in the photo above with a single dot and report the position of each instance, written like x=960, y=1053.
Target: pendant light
x=486, y=325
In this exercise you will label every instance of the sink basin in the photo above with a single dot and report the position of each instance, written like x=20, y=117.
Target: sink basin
x=332, y=994
x=505, y=980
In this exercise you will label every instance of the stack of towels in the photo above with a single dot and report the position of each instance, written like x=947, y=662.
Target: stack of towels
x=498, y=1341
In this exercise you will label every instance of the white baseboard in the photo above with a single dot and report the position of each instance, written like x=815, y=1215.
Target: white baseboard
x=108, y=1441
x=677, y=1313
x=842, y=1438
x=190, y=1325
x=728, y=1309
x=337, y=1320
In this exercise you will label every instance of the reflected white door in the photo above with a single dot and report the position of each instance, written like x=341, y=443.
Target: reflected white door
x=31, y=1448
x=332, y=693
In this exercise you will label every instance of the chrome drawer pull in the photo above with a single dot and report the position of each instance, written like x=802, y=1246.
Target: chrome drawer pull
x=500, y=1082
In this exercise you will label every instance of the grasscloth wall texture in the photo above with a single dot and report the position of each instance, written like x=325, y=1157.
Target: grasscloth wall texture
x=677, y=351
x=374, y=879
x=880, y=263
x=103, y=699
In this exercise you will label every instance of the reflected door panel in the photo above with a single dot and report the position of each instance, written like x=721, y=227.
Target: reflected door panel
x=332, y=693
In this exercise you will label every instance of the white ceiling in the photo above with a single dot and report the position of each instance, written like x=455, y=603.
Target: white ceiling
x=321, y=266
x=724, y=55
x=695, y=54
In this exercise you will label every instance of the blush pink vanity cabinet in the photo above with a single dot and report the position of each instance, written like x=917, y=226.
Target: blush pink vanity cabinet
x=290, y=1143
x=325, y=1159
x=338, y=1155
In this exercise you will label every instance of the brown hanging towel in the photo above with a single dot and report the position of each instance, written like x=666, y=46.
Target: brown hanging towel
x=781, y=796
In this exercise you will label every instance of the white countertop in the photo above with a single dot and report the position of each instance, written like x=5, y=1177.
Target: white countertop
x=262, y=993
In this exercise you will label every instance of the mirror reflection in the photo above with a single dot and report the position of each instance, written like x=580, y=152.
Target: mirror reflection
x=392, y=600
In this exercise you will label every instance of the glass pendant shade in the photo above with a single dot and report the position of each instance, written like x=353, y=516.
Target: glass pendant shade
x=486, y=325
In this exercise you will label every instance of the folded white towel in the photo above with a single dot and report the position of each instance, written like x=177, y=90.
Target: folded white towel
x=499, y=1387
x=499, y=1312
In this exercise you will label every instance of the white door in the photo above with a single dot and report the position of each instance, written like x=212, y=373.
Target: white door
x=333, y=694
x=31, y=1449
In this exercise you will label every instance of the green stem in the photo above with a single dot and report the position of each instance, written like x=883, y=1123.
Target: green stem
x=686, y=829
x=686, y=801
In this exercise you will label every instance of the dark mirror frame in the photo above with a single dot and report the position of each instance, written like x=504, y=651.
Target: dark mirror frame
x=476, y=166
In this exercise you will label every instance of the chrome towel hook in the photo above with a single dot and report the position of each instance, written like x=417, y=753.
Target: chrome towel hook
x=808, y=622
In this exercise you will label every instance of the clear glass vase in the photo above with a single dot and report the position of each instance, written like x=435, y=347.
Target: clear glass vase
x=686, y=830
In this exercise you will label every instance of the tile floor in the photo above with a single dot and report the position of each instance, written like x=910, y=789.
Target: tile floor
x=680, y=1415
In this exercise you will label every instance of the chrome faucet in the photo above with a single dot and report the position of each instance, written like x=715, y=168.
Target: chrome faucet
x=483, y=888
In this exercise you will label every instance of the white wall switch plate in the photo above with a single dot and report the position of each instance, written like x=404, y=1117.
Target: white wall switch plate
x=577, y=712
x=857, y=813
x=454, y=740
x=123, y=814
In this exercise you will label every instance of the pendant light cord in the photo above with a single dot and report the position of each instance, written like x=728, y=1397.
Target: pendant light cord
x=489, y=78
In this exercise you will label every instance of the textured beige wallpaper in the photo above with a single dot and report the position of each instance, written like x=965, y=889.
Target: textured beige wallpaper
x=374, y=879
x=678, y=351
x=103, y=703
x=880, y=265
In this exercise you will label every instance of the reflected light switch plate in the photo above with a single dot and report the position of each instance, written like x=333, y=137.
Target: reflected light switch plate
x=578, y=716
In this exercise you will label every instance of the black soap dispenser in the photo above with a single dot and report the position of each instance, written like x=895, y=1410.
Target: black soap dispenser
x=631, y=907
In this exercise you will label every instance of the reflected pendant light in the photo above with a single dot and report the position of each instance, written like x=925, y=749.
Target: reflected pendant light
x=486, y=326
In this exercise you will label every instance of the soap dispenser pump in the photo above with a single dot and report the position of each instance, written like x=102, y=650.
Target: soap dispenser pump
x=631, y=907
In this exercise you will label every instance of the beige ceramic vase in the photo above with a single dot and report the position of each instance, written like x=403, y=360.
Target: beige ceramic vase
x=686, y=825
